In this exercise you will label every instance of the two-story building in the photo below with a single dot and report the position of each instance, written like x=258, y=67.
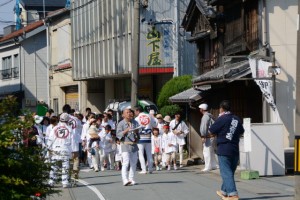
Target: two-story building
x=227, y=35
x=24, y=65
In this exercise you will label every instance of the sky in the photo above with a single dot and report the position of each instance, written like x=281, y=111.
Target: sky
x=6, y=13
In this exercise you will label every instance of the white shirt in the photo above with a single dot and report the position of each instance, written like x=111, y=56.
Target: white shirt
x=60, y=138
x=182, y=128
x=167, y=139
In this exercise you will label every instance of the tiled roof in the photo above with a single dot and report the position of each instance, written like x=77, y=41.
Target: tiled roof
x=28, y=28
x=48, y=3
x=187, y=96
x=228, y=71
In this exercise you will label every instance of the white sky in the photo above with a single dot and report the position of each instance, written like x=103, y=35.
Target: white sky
x=6, y=13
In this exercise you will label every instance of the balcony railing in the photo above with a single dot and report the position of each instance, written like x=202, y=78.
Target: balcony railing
x=9, y=73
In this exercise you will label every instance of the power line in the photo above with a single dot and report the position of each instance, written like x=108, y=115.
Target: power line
x=3, y=4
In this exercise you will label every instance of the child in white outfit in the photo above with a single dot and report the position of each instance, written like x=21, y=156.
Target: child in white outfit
x=118, y=156
x=106, y=144
x=169, y=146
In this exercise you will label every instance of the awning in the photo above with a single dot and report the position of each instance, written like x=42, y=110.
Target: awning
x=187, y=96
x=228, y=73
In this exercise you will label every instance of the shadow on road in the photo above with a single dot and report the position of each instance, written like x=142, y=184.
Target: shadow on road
x=268, y=197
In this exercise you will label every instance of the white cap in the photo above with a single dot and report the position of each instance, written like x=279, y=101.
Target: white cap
x=38, y=119
x=64, y=117
x=151, y=112
x=203, y=106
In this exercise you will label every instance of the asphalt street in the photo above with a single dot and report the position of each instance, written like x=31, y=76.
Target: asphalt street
x=186, y=183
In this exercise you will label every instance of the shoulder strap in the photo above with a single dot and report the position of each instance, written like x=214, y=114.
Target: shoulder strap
x=177, y=125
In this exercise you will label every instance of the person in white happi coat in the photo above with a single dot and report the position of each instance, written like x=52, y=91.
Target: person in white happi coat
x=85, y=137
x=169, y=146
x=106, y=143
x=148, y=123
x=59, y=145
x=180, y=129
x=74, y=123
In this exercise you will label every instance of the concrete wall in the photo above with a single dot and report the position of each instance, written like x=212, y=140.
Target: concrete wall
x=282, y=36
x=34, y=69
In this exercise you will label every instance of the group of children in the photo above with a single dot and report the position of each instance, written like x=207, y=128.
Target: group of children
x=164, y=147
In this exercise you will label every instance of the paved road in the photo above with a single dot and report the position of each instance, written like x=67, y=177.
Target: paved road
x=186, y=183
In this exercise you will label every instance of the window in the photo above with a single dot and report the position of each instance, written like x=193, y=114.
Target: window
x=55, y=105
x=16, y=66
x=6, y=68
x=6, y=62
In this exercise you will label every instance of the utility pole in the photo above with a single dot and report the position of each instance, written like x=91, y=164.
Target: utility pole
x=135, y=53
x=297, y=119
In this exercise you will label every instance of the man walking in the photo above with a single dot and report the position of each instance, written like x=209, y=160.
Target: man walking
x=127, y=133
x=228, y=129
x=148, y=122
x=208, y=150
x=59, y=145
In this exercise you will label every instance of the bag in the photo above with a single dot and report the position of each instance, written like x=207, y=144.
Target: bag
x=92, y=151
x=156, y=150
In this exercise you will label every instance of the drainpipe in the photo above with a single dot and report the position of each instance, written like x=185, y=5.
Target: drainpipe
x=265, y=22
x=47, y=63
x=176, y=41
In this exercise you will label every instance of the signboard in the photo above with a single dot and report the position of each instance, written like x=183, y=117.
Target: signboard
x=247, y=134
x=156, y=48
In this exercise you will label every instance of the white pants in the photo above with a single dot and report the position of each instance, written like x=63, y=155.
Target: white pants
x=89, y=159
x=110, y=157
x=96, y=162
x=147, y=147
x=65, y=165
x=180, y=154
x=128, y=158
x=209, y=157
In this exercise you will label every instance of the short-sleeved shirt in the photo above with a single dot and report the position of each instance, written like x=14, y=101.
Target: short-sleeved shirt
x=228, y=129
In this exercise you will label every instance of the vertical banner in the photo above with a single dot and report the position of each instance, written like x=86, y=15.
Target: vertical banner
x=259, y=69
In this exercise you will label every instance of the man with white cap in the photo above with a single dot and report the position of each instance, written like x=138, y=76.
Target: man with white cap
x=208, y=150
x=59, y=145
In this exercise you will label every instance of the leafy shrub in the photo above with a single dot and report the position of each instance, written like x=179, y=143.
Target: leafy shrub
x=172, y=87
x=23, y=171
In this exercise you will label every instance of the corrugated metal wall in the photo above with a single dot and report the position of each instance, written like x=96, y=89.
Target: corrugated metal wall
x=101, y=38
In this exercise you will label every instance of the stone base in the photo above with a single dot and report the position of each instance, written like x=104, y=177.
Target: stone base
x=247, y=175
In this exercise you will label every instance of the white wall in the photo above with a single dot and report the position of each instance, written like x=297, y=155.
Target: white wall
x=282, y=36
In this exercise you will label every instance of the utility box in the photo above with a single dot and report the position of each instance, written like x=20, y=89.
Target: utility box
x=267, y=150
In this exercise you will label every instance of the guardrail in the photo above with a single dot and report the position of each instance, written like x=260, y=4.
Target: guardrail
x=9, y=73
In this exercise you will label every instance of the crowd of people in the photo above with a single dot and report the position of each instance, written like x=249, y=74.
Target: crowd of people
x=102, y=143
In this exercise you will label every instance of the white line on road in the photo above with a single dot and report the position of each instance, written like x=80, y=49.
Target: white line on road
x=94, y=189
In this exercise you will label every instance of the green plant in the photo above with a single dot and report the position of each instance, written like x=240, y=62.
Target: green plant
x=23, y=170
x=170, y=110
x=172, y=87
